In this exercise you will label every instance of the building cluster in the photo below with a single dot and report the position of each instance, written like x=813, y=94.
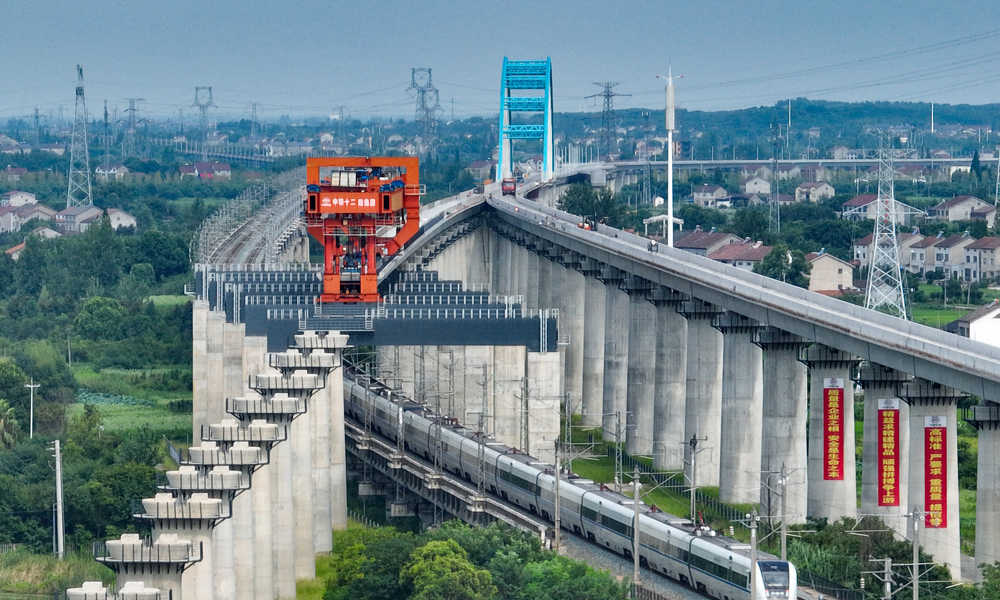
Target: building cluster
x=18, y=207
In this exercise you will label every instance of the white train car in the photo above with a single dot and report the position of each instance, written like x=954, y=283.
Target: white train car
x=715, y=565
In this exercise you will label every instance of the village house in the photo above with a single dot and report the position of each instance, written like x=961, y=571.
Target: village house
x=119, y=218
x=708, y=195
x=742, y=255
x=945, y=255
x=981, y=325
x=959, y=208
x=703, y=243
x=905, y=241
x=77, y=218
x=480, y=169
x=755, y=185
x=814, y=191
x=12, y=218
x=981, y=259
x=13, y=173
x=829, y=275
x=862, y=207
x=17, y=198
x=111, y=172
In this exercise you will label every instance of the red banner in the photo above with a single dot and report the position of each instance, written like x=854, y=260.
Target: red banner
x=936, y=471
x=888, y=451
x=833, y=429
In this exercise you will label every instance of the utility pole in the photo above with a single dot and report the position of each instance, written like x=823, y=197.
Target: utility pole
x=635, y=532
x=693, y=444
x=60, y=523
x=78, y=193
x=916, y=515
x=31, y=418
x=558, y=512
x=609, y=120
x=751, y=522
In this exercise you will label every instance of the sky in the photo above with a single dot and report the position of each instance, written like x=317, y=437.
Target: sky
x=311, y=58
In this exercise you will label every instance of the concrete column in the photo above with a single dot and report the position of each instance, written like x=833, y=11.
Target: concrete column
x=742, y=408
x=525, y=276
x=571, y=319
x=595, y=300
x=670, y=373
x=530, y=289
x=319, y=421
x=509, y=374
x=263, y=547
x=986, y=419
x=199, y=365
x=832, y=495
x=254, y=352
x=543, y=404
x=232, y=360
x=545, y=275
x=302, y=490
x=407, y=369
x=786, y=399
x=882, y=383
x=502, y=262
x=641, y=374
x=338, y=450
x=215, y=376
x=703, y=389
x=934, y=406
x=243, y=545
x=468, y=397
x=283, y=518
x=225, y=571
x=481, y=254
x=616, y=330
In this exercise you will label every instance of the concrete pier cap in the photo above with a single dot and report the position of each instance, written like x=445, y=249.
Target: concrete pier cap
x=90, y=590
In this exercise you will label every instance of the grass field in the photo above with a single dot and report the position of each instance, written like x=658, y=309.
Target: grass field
x=24, y=573
x=167, y=301
x=936, y=316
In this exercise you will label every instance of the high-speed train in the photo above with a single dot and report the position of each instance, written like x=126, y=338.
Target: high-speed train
x=715, y=565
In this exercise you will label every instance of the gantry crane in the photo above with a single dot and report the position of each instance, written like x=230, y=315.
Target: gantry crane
x=361, y=209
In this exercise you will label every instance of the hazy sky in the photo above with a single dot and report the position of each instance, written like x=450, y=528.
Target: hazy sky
x=307, y=57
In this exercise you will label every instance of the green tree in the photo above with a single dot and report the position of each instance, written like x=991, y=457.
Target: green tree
x=441, y=571
x=788, y=266
x=750, y=223
x=101, y=319
x=8, y=425
x=976, y=167
x=600, y=205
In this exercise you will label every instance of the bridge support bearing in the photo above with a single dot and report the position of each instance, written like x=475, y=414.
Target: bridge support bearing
x=883, y=383
x=595, y=311
x=742, y=408
x=786, y=398
x=616, y=331
x=928, y=400
x=986, y=419
x=641, y=374
x=703, y=386
x=670, y=374
x=831, y=499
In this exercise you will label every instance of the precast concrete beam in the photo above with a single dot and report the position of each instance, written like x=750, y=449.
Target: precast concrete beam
x=832, y=472
x=670, y=374
x=742, y=408
x=703, y=389
x=886, y=444
x=933, y=465
x=783, y=461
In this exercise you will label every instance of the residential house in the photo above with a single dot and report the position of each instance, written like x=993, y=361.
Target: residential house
x=77, y=218
x=762, y=171
x=213, y=170
x=46, y=233
x=13, y=217
x=15, y=252
x=111, y=172
x=13, y=173
x=981, y=325
x=755, y=185
x=981, y=259
x=959, y=208
x=829, y=275
x=813, y=133
x=844, y=153
x=945, y=255
x=187, y=171
x=703, y=243
x=789, y=172
x=742, y=255
x=862, y=207
x=814, y=191
x=119, y=218
x=480, y=169
x=987, y=213
x=863, y=248
x=57, y=149
x=17, y=198
x=708, y=195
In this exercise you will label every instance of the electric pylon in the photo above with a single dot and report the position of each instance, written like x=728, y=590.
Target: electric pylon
x=254, y=128
x=106, y=163
x=609, y=120
x=203, y=100
x=78, y=193
x=428, y=104
x=128, y=140
x=885, y=278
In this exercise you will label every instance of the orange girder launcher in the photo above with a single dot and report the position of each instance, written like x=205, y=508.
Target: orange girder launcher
x=349, y=202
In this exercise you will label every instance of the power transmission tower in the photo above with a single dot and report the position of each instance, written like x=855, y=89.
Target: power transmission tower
x=203, y=100
x=254, y=127
x=106, y=163
x=428, y=104
x=78, y=193
x=609, y=120
x=128, y=140
x=885, y=278
x=38, y=128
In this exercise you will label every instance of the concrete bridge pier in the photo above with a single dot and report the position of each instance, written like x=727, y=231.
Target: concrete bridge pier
x=199, y=365
x=544, y=383
x=571, y=320
x=616, y=330
x=531, y=281
x=482, y=249
x=522, y=269
x=594, y=310
x=703, y=389
x=884, y=476
x=832, y=472
x=215, y=394
x=933, y=463
x=502, y=261
x=742, y=407
x=450, y=395
x=670, y=372
x=786, y=398
x=545, y=275
x=641, y=372
x=986, y=419
x=508, y=383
